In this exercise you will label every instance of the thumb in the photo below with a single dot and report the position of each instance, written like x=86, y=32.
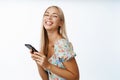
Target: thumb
x=31, y=51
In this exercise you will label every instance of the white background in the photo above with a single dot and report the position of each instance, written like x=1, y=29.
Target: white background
x=93, y=28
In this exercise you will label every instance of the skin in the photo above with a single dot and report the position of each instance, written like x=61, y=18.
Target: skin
x=51, y=21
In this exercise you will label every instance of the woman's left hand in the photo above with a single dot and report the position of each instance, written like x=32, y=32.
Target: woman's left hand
x=41, y=59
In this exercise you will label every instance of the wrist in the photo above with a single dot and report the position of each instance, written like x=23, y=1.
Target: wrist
x=49, y=66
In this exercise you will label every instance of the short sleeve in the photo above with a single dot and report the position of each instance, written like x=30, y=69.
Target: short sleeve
x=64, y=50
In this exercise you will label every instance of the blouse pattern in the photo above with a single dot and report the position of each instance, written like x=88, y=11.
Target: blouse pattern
x=63, y=51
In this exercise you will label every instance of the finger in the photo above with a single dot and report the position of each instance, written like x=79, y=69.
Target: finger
x=41, y=59
x=39, y=62
x=42, y=55
x=36, y=57
x=36, y=53
x=31, y=51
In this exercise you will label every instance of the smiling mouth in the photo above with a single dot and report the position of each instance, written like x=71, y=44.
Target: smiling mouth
x=49, y=23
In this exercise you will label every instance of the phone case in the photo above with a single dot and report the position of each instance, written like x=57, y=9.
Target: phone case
x=31, y=47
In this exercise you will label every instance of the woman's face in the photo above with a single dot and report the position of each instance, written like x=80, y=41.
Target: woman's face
x=51, y=19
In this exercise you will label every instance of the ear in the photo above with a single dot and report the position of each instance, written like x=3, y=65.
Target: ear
x=61, y=23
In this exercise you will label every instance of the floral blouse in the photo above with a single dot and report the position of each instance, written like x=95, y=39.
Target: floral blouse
x=63, y=51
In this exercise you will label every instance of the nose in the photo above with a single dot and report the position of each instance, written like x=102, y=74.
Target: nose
x=49, y=17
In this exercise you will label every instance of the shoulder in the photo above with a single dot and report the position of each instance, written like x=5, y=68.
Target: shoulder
x=63, y=44
x=64, y=50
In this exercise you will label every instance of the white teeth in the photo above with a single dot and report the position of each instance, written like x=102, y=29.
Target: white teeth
x=48, y=23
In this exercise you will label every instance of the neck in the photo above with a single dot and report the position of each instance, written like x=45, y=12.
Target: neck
x=53, y=36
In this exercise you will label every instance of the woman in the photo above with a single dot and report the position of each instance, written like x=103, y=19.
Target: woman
x=56, y=60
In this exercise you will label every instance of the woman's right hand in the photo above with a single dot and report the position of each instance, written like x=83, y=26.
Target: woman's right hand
x=40, y=59
x=34, y=55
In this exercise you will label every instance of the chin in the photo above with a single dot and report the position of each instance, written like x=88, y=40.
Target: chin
x=47, y=27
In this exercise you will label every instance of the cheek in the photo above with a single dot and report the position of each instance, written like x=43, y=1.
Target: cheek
x=56, y=21
x=44, y=20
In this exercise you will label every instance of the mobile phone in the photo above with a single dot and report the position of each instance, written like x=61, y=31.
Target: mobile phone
x=29, y=46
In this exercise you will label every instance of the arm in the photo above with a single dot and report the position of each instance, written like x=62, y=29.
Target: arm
x=70, y=73
x=65, y=52
x=42, y=72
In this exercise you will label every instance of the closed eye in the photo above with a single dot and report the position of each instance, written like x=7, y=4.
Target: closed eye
x=46, y=15
x=55, y=16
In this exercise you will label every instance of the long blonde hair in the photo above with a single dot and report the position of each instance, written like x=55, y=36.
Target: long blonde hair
x=61, y=31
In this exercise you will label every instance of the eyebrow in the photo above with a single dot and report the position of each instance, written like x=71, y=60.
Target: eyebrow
x=52, y=13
